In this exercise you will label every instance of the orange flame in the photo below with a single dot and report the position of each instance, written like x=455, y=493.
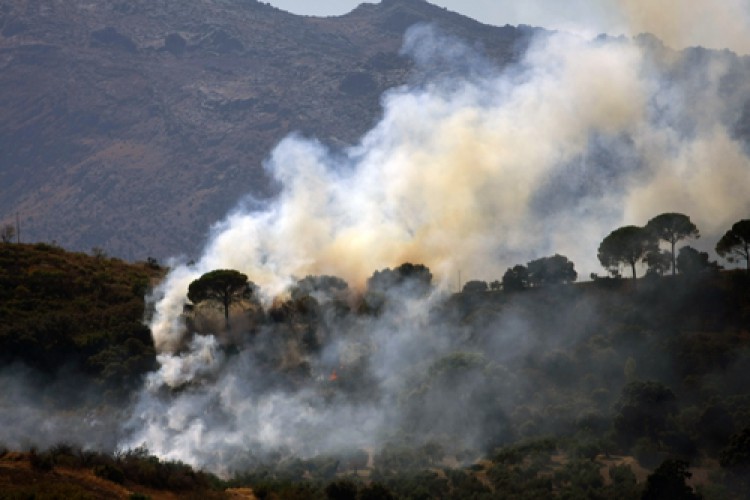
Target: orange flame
x=333, y=376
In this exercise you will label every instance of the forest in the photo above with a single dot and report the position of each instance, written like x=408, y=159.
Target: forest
x=529, y=386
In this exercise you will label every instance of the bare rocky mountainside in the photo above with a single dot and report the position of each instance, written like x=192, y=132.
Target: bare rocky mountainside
x=133, y=125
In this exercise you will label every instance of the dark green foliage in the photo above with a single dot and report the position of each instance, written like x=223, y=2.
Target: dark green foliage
x=110, y=473
x=735, y=244
x=60, y=308
x=737, y=452
x=624, y=485
x=625, y=246
x=153, y=263
x=658, y=261
x=581, y=478
x=465, y=484
x=426, y=484
x=474, y=286
x=225, y=286
x=715, y=426
x=551, y=271
x=375, y=491
x=413, y=277
x=516, y=453
x=735, y=460
x=668, y=481
x=643, y=410
x=135, y=469
x=692, y=262
x=407, y=280
x=403, y=456
x=341, y=489
x=139, y=467
x=515, y=278
x=319, y=285
x=672, y=227
x=41, y=462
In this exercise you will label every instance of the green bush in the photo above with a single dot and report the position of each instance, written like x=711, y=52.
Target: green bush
x=110, y=473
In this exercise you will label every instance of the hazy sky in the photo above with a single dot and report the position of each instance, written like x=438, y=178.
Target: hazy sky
x=589, y=15
x=680, y=23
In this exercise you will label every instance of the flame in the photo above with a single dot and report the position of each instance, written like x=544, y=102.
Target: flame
x=333, y=376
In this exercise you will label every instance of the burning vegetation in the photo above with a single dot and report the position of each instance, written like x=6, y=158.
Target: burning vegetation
x=608, y=387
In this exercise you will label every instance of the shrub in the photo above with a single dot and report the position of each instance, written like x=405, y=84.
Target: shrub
x=40, y=462
x=110, y=473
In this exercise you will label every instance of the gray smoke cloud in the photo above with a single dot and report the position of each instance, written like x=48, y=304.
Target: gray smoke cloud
x=38, y=412
x=473, y=168
x=718, y=25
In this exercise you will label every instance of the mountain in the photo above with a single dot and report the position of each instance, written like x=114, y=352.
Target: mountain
x=131, y=126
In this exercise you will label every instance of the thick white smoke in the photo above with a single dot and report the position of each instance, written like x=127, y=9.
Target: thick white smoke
x=475, y=171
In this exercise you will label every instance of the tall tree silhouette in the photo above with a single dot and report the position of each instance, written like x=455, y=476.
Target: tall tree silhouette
x=625, y=246
x=736, y=243
x=222, y=285
x=672, y=227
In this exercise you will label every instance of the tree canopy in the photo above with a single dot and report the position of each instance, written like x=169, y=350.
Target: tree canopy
x=625, y=246
x=552, y=270
x=690, y=261
x=415, y=277
x=323, y=285
x=672, y=227
x=515, y=278
x=475, y=286
x=668, y=481
x=222, y=285
x=735, y=244
x=658, y=261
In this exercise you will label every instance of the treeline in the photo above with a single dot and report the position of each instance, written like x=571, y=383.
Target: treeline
x=628, y=246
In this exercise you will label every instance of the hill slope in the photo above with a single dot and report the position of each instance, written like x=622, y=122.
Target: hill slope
x=132, y=126
x=74, y=312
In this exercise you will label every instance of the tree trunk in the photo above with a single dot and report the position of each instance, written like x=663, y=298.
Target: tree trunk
x=674, y=260
x=632, y=265
x=226, y=313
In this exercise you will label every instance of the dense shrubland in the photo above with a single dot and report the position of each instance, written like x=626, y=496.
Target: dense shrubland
x=72, y=312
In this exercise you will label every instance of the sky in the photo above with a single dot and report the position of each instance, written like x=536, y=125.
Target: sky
x=575, y=15
x=679, y=23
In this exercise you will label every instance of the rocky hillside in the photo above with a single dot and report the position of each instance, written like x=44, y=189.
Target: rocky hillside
x=133, y=125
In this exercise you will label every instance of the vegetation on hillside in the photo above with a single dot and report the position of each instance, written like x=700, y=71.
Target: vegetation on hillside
x=76, y=312
x=631, y=388
x=67, y=472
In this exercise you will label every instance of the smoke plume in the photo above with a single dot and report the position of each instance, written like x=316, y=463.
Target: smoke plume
x=472, y=168
x=716, y=25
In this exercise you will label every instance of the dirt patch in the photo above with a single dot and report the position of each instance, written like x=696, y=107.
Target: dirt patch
x=610, y=461
x=241, y=493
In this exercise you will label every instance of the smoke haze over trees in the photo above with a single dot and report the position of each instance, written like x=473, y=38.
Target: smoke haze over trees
x=352, y=342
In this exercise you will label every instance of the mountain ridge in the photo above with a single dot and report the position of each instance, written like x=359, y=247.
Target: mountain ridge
x=135, y=125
